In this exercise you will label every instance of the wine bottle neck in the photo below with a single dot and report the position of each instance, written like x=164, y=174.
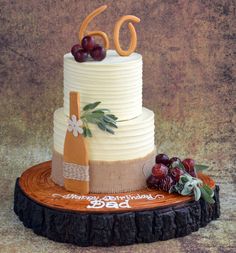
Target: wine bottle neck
x=75, y=104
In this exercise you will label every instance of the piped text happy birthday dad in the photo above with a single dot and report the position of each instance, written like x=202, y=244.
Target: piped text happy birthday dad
x=109, y=201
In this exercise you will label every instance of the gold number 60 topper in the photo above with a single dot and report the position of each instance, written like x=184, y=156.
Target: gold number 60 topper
x=116, y=35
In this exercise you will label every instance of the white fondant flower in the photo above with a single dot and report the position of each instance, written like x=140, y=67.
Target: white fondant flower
x=74, y=125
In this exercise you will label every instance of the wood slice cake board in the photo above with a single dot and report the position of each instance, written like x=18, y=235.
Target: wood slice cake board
x=107, y=219
x=37, y=185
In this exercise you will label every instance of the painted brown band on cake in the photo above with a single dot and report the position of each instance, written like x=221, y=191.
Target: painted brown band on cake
x=110, y=176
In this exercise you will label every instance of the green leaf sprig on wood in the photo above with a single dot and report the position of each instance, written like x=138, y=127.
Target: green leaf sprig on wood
x=100, y=117
x=189, y=185
x=200, y=167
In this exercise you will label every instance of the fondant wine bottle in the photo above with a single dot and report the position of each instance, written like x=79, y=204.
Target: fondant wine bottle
x=76, y=163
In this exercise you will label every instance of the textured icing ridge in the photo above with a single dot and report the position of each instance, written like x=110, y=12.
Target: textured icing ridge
x=116, y=82
x=133, y=138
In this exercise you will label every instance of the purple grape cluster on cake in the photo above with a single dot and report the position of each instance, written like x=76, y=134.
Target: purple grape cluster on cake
x=88, y=47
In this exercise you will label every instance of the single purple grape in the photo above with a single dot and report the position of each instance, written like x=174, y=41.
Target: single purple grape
x=176, y=173
x=163, y=158
x=166, y=183
x=75, y=48
x=98, y=53
x=189, y=166
x=81, y=55
x=152, y=182
x=160, y=171
x=88, y=43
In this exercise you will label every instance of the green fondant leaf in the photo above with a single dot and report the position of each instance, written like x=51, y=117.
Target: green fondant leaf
x=197, y=193
x=185, y=192
x=109, y=130
x=84, y=132
x=208, y=190
x=112, y=116
x=100, y=117
x=109, y=121
x=103, y=110
x=91, y=119
x=181, y=166
x=102, y=126
x=106, y=118
x=188, y=189
x=91, y=106
x=179, y=187
x=97, y=114
x=184, y=179
x=111, y=124
x=89, y=133
x=206, y=196
x=200, y=167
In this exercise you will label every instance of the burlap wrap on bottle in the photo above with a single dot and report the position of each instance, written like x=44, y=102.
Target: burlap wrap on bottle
x=75, y=171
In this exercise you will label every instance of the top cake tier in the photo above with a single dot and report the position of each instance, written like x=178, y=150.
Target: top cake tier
x=116, y=82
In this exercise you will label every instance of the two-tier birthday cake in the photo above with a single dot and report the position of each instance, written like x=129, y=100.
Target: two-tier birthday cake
x=117, y=163
x=105, y=184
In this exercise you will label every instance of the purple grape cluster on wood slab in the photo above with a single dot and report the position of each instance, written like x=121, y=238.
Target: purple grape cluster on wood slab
x=174, y=175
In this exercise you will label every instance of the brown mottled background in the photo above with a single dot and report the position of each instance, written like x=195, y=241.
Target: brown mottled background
x=188, y=49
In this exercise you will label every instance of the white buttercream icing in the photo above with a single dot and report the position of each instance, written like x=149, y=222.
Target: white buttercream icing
x=116, y=82
x=133, y=138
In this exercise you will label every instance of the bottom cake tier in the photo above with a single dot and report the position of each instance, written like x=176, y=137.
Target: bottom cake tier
x=118, y=163
x=110, y=177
